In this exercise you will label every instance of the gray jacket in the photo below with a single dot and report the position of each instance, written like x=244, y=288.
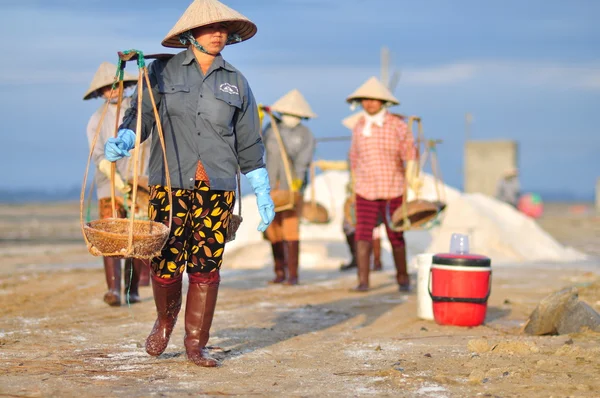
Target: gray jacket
x=212, y=118
x=299, y=145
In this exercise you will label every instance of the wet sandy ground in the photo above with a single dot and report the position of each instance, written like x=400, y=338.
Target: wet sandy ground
x=57, y=337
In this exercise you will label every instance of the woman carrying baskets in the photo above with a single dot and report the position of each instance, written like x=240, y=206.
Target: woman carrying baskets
x=290, y=148
x=100, y=87
x=211, y=128
x=382, y=155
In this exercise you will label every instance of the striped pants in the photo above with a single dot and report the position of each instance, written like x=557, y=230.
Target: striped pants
x=367, y=214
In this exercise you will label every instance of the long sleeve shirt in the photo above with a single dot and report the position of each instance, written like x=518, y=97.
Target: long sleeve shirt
x=211, y=118
x=377, y=159
x=107, y=130
x=299, y=144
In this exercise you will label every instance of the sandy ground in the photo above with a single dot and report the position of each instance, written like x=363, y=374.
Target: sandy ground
x=57, y=337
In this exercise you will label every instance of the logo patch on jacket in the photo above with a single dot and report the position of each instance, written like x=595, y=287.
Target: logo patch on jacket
x=229, y=89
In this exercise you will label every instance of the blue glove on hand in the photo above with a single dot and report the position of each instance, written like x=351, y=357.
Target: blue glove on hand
x=259, y=179
x=119, y=147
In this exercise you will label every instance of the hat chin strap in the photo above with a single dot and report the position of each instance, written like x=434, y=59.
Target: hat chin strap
x=188, y=38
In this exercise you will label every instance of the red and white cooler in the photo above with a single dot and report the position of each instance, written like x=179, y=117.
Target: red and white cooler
x=459, y=286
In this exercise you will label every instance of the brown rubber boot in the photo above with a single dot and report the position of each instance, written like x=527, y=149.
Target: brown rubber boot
x=133, y=268
x=377, y=255
x=363, y=258
x=167, y=297
x=352, y=247
x=278, y=262
x=402, y=277
x=293, y=248
x=199, y=312
x=112, y=271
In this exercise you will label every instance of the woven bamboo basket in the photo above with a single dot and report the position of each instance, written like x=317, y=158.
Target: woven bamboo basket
x=111, y=237
x=282, y=199
x=236, y=219
x=418, y=213
x=118, y=237
x=234, y=224
x=315, y=213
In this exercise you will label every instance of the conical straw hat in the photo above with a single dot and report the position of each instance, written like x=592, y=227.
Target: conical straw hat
x=205, y=12
x=105, y=76
x=293, y=103
x=373, y=89
x=350, y=121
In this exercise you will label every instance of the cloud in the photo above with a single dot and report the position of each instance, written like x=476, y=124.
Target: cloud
x=591, y=81
x=582, y=76
x=440, y=75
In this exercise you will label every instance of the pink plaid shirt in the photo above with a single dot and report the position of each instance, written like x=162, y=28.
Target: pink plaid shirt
x=377, y=162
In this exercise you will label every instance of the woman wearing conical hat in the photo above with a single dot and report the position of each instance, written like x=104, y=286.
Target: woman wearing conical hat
x=211, y=128
x=382, y=155
x=348, y=226
x=299, y=146
x=100, y=87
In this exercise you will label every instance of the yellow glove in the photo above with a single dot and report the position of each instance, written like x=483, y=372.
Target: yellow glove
x=412, y=180
x=104, y=167
x=296, y=185
x=261, y=114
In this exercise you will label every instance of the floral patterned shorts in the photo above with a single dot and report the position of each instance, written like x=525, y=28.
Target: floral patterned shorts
x=198, y=228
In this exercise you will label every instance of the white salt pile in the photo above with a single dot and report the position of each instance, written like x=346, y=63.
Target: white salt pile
x=323, y=246
x=498, y=231
x=495, y=229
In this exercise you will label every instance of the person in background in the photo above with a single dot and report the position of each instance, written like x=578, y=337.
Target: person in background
x=299, y=147
x=508, y=189
x=100, y=87
x=382, y=156
x=211, y=129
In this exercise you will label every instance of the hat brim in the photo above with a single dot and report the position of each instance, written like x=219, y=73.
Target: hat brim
x=246, y=29
x=98, y=92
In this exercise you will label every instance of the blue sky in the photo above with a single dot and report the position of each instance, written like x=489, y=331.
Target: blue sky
x=527, y=70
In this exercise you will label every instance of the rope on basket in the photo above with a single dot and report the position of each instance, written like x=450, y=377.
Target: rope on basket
x=286, y=163
x=429, y=151
x=233, y=223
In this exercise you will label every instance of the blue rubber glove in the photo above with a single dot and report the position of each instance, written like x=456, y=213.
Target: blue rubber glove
x=259, y=179
x=119, y=147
